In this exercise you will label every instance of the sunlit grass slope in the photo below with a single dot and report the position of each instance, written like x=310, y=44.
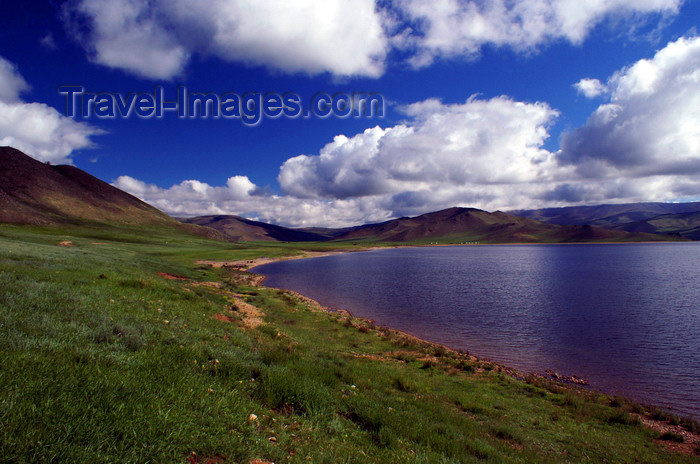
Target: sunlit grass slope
x=119, y=348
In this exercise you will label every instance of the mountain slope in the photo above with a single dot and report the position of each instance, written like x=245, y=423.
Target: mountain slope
x=32, y=192
x=684, y=224
x=242, y=229
x=35, y=193
x=469, y=224
x=606, y=215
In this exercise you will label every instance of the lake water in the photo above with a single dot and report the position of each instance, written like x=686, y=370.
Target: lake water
x=624, y=317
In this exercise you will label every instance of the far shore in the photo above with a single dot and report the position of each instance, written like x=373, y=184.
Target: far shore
x=249, y=264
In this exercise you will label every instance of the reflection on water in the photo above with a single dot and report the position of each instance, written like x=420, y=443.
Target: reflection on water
x=624, y=317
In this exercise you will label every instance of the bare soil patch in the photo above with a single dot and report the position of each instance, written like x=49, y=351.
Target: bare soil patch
x=165, y=275
x=690, y=442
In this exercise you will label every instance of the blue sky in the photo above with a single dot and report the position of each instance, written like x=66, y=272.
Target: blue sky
x=490, y=104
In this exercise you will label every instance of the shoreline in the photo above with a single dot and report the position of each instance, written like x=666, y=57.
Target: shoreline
x=646, y=415
x=250, y=264
x=570, y=381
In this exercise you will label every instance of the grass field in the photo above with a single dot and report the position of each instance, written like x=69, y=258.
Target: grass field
x=119, y=348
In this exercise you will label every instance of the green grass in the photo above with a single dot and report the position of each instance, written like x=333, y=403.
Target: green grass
x=103, y=360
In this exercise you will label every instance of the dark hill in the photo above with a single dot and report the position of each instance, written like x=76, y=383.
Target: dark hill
x=606, y=215
x=242, y=229
x=36, y=193
x=32, y=192
x=469, y=224
x=684, y=224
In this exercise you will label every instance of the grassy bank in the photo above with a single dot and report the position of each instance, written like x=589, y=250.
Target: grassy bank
x=118, y=348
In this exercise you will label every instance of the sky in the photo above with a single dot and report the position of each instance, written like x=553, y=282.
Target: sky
x=492, y=104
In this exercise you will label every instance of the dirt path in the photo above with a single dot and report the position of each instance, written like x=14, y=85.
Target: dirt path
x=252, y=315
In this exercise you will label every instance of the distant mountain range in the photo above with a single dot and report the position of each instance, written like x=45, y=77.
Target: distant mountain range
x=35, y=193
x=475, y=225
x=685, y=224
x=452, y=225
x=656, y=218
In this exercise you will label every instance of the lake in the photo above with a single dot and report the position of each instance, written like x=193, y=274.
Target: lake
x=625, y=317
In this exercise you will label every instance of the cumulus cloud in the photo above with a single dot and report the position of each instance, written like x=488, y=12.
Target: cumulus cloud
x=127, y=34
x=451, y=28
x=590, y=88
x=443, y=147
x=35, y=128
x=651, y=124
x=12, y=84
x=484, y=153
x=240, y=196
x=156, y=39
x=641, y=144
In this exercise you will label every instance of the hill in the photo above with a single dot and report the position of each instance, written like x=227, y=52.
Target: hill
x=449, y=225
x=469, y=224
x=654, y=218
x=242, y=229
x=36, y=193
x=32, y=192
x=606, y=215
x=684, y=224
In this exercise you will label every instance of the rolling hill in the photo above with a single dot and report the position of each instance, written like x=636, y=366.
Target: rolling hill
x=653, y=218
x=36, y=193
x=450, y=225
x=469, y=224
x=606, y=215
x=684, y=224
x=32, y=192
x=241, y=229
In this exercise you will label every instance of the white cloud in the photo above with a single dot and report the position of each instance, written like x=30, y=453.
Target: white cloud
x=484, y=153
x=338, y=36
x=452, y=28
x=192, y=197
x=12, y=84
x=590, y=88
x=651, y=124
x=156, y=39
x=444, y=147
x=642, y=144
x=35, y=128
x=127, y=34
